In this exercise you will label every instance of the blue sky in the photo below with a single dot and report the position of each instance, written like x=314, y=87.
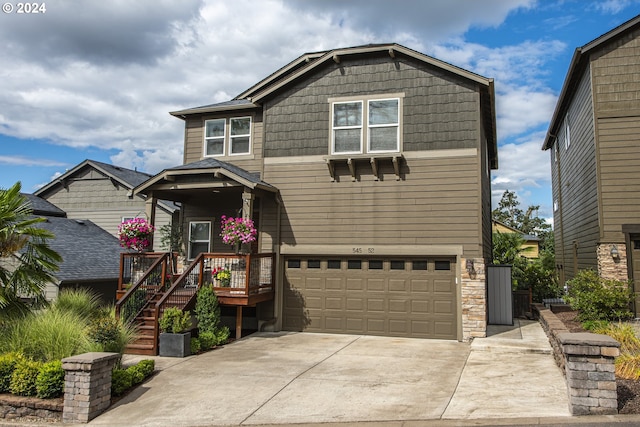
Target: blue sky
x=96, y=80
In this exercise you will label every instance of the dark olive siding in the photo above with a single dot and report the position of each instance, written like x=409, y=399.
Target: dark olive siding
x=436, y=204
x=440, y=111
x=579, y=198
x=616, y=82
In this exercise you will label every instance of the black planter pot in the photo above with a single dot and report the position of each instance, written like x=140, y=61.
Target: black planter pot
x=175, y=345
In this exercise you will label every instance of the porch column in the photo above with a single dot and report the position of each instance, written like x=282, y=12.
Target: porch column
x=150, y=211
x=247, y=203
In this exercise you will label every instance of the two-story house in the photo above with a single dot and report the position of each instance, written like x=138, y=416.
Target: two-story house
x=594, y=142
x=102, y=193
x=367, y=173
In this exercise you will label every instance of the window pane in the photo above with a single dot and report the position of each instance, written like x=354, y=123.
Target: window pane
x=383, y=139
x=241, y=126
x=239, y=144
x=346, y=140
x=293, y=263
x=419, y=265
x=383, y=112
x=214, y=128
x=354, y=264
x=347, y=114
x=333, y=264
x=313, y=263
x=443, y=265
x=196, y=248
x=215, y=146
x=375, y=264
x=397, y=265
x=199, y=231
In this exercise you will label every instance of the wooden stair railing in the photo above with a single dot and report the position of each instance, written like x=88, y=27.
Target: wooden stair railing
x=137, y=306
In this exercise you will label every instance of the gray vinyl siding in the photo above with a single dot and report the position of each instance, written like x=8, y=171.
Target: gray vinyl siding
x=485, y=201
x=95, y=197
x=579, y=182
x=440, y=112
x=436, y=204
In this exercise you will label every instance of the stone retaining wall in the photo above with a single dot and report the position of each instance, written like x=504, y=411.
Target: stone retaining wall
x=587, y=361
x=18, y=408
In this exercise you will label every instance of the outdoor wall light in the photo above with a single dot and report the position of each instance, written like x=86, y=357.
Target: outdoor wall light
x=614, y=252
x=470, y=266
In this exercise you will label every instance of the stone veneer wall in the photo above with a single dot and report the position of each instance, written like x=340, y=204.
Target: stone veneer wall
x=608, y=268
x=587, y=362
x=29, y=409
x=474, y=300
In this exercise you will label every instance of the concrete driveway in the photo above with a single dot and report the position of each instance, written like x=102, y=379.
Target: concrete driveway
x=287, y=378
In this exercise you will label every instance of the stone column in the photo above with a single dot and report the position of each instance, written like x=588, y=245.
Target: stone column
x=590, y=372
x=474, y=298
x=87, y=385
x=610, y=267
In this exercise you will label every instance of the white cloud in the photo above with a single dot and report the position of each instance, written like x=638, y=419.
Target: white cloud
x=29, y=161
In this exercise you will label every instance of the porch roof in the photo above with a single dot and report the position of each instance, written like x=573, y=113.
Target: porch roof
x=208, y=173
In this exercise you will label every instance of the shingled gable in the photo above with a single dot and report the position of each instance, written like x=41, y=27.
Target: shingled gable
x=307, y=63
x=579, y=62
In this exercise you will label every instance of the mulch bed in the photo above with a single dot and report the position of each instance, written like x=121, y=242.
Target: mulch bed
x=628, y=390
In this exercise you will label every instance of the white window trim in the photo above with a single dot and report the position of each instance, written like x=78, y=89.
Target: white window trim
x=567, y=132
x=333, y=128
x=365, y=121
x=231, y=153
x=206, y=139
x=190, y=255
x=370, y=126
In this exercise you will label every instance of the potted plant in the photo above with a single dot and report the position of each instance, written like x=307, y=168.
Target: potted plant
x=135, y=234
x=237, y=231
x=175, y=336
x=222, y=276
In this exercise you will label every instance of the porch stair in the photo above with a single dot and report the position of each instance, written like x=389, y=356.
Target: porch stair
x=145, y=342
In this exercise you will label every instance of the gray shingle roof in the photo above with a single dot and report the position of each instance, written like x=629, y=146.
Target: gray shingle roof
x=131, y=177
x=214, y=163
x=43, y=207
x=88, y=251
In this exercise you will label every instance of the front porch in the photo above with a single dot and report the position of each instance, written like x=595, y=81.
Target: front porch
x=147, y=286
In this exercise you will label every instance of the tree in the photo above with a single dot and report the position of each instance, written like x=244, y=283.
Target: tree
x=537, y=274
x=27, y=262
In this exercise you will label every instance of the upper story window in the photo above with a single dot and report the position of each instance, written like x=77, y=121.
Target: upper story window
x=227, y=136
x=365, y=126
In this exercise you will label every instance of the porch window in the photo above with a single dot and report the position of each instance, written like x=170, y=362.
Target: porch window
x=214, y=137
x=240, y=138
x=199, y=238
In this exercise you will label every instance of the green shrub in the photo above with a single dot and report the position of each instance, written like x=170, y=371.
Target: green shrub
x=207, y=340
x=195, y=346
x=23, y=380
x=147, y=366
x=8, y=363
x=137, y=374
x=121, y=381
x=207, y=310
x=105, y=331
x=596, y=298
x=222, y=335
x=50, y=380
x=594, y=325
x=174, y=320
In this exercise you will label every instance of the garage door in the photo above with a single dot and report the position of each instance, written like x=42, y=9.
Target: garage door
x=391, y=297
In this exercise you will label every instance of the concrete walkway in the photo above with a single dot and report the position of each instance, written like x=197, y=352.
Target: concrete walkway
x=301, y=378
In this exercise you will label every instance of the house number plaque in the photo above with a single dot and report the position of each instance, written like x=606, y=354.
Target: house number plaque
x=361, y=250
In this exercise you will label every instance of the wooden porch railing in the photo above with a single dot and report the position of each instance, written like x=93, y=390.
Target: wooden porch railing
x=150, y=282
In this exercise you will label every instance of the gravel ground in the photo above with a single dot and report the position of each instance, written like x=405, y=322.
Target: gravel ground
x=628, y=390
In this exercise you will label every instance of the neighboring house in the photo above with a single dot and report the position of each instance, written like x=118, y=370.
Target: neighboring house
x=102, y=194
x=90, y=255
x=367, y=171
x=530, y=248
x=594, y=142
